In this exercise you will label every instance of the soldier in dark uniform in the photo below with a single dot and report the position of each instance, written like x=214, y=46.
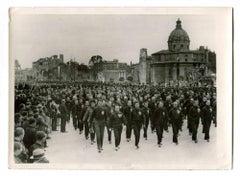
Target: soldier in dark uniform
x=152, y=106
x=99, y=119
x=147, y=115
x=69, y=106
x=53, y=115
x=207, y=114
x=188, y=107
x=194, y=117
x=137, y=122
x=117, y=119
x=127, y=111
x=64, y=114
x=175, y=118
x=202, y=105
x=74, y=114
x=109, y=108
x=87, y=118
x=214, y=108
x=83, y=124
x=168, y=107
x=159, y=117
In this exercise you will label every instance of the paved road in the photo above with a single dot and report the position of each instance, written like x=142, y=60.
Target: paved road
x=71, y=150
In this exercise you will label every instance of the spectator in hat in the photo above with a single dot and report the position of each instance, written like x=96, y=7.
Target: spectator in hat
x=40, y=141
x=39, y=156
x=18, y=137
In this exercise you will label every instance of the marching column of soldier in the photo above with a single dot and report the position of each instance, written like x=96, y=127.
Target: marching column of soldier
x=94, y=107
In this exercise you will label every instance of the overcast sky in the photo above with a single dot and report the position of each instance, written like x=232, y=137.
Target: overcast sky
x=111, y=36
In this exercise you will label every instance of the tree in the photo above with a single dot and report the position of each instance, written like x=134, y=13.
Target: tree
x=17, y=65
x=83, y=68
x=96, y=64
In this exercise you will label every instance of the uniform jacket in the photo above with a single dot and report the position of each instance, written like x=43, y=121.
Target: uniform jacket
x=174, y=115
x=207, y=114
x=194, y=115
x=99, y=115
x=138, y=117
x=63, y=110
x=88, y=114
x=117, y=119
x=160, y=115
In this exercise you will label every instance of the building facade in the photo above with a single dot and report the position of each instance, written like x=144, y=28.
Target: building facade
x=177, y=63
x=114, y=71
x=48, y=68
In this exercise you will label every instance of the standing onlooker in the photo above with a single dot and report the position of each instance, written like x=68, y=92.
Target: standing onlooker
x=64, y=114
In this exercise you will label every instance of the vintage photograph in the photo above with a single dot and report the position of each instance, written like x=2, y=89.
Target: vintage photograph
x=119, y=88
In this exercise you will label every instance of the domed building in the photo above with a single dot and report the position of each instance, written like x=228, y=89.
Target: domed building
x=178, y=62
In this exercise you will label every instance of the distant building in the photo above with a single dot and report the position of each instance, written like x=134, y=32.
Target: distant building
x=25, y=75
x=177, y=63
x=48, y=68
x=114, y=71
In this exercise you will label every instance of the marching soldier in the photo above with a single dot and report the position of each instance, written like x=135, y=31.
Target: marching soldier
x=128, y=115
x=99, y=119
x=87, y=118
x=152, y=106
x=83, y=124
x=74, y=114
x=137, y=122
x=53, y=114
x=159, y=117
x=207, y=114
x=109, y=108
x=202, y=105
x=175, y=119
x=147, y=114
x=194, y=117
x=117, y=119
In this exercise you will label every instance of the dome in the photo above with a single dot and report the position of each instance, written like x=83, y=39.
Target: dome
x=178, y=38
